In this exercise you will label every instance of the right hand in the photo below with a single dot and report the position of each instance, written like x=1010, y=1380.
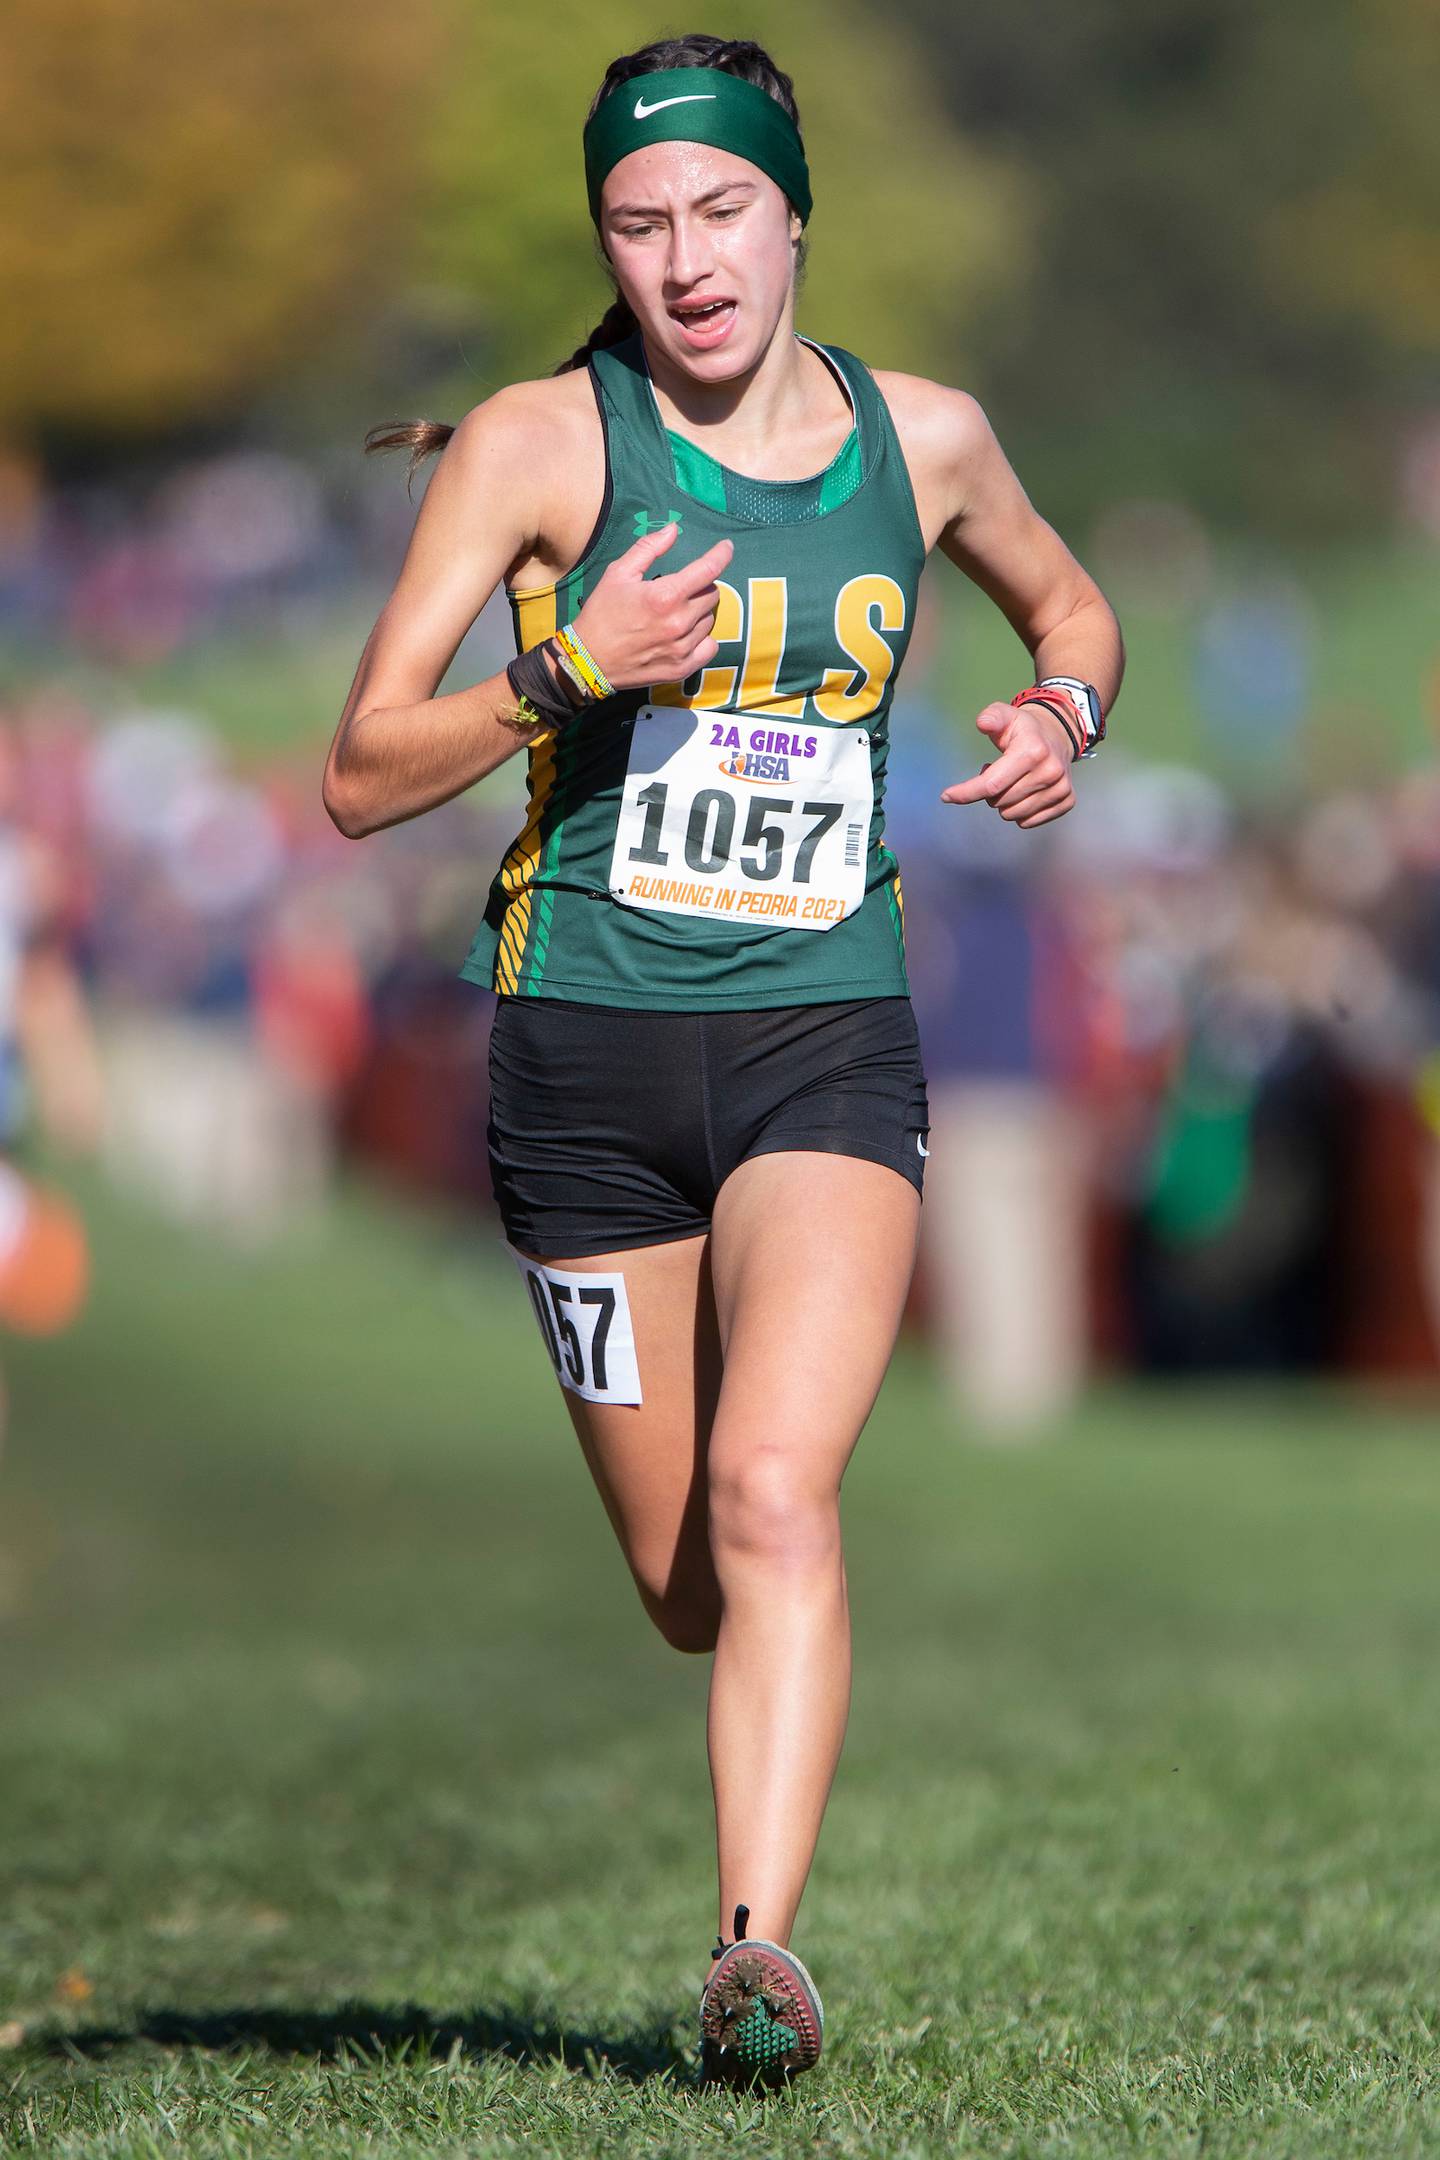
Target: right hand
x=652, y=630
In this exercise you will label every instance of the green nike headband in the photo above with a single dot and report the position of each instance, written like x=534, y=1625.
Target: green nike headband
x=696, y=104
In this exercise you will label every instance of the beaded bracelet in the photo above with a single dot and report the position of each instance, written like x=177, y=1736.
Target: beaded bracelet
x=571, y=688
x=595, y=681
x=567, y=669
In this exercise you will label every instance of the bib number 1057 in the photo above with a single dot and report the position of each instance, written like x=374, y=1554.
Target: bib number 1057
x=733, y=817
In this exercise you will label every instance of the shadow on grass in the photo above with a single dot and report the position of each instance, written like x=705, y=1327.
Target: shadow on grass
x=638, y=2055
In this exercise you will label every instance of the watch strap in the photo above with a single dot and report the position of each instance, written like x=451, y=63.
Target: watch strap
x=1088, y=709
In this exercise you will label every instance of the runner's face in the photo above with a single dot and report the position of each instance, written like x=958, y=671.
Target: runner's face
x=684, y=225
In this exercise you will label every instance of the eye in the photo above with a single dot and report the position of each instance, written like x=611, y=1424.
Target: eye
x=732, y=211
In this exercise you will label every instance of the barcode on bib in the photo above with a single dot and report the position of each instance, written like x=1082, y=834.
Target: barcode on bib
x=852, y=845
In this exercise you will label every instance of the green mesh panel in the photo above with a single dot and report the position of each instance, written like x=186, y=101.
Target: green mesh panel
x=840, y=479
x=764, y=502
x=697, y=472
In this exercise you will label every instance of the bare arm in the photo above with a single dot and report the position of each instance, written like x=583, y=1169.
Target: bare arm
x=399, y=749
x=1001, y=542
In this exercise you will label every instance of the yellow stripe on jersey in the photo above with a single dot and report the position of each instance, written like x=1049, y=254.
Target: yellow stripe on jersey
x=536, y=616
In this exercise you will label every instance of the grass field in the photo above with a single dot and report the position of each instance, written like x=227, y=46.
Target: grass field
x=348, y=1804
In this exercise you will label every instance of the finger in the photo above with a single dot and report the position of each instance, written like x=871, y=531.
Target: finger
x=637, y=559
x=1044, y=816
x=697, y=622
x=699, y=618
x=1036, y=805
x=991, y=780
x=1042, y=778
x=702, y=654
x=995, y=719
x=968, y=791
x=692, y=578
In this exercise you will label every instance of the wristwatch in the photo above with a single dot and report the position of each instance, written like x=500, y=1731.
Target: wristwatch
x=1086, y=700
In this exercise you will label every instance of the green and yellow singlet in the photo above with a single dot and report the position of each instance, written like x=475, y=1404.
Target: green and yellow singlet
x=719, y=843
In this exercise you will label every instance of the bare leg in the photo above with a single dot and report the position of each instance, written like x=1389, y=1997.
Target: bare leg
x=648, y=1459
x=723, y=1488
x=812, y=1256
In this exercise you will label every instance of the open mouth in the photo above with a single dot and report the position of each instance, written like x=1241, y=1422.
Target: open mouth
x=706, y=323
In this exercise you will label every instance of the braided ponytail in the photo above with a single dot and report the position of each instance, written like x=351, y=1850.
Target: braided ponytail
x=615, y=324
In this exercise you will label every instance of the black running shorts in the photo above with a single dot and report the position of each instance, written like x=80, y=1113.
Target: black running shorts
x=611, y=1128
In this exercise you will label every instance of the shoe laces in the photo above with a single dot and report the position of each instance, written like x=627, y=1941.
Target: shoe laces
x=742, y=1921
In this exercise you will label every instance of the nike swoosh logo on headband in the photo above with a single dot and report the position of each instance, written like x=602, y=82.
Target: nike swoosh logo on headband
x=691, y=97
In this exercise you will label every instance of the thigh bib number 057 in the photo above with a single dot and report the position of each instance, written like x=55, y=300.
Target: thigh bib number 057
x=743, y=818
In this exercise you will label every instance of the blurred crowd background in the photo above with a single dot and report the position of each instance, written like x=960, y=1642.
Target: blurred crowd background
x=1183, y=1046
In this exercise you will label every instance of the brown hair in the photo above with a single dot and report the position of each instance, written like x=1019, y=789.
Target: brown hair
x=736, y=56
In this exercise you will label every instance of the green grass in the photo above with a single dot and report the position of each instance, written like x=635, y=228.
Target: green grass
x=341, y=1766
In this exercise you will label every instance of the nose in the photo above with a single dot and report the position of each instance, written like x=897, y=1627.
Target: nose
x=690, y=251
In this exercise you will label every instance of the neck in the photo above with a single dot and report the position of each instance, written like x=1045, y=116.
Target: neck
x=786, y=393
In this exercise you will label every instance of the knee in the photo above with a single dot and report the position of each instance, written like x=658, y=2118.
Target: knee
x=763, y=1511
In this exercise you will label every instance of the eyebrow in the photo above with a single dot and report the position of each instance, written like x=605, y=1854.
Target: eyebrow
x=726, y=187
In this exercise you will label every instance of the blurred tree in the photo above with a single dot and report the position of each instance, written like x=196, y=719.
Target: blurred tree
x=1355, y=238
x=1185, y=250
x=193, y=195
x=912, y=229
x=1236, y=291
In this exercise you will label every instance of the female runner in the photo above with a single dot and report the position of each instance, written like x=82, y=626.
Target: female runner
x=708, y=1114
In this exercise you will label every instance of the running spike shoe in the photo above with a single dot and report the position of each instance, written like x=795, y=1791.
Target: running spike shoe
x=761, y=2019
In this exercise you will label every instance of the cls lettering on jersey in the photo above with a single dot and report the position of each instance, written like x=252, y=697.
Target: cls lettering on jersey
x=866, y=607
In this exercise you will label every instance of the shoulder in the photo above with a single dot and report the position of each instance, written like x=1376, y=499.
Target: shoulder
x=531, y=455
x=946, y=424
x=528, y=421
x=948, y=444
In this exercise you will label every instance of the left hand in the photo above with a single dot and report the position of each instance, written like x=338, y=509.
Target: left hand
x=1030, y=780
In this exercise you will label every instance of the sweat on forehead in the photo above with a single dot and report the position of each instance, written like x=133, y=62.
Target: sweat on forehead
x=702, y=105
x=641, y=194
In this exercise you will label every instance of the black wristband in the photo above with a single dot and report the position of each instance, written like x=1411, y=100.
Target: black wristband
x=530, y=678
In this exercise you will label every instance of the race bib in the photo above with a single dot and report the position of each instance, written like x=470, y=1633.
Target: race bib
x=743, y=818
x=586, y=1328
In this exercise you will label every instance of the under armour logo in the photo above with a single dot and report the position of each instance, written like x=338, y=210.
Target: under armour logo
x=644, y=523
